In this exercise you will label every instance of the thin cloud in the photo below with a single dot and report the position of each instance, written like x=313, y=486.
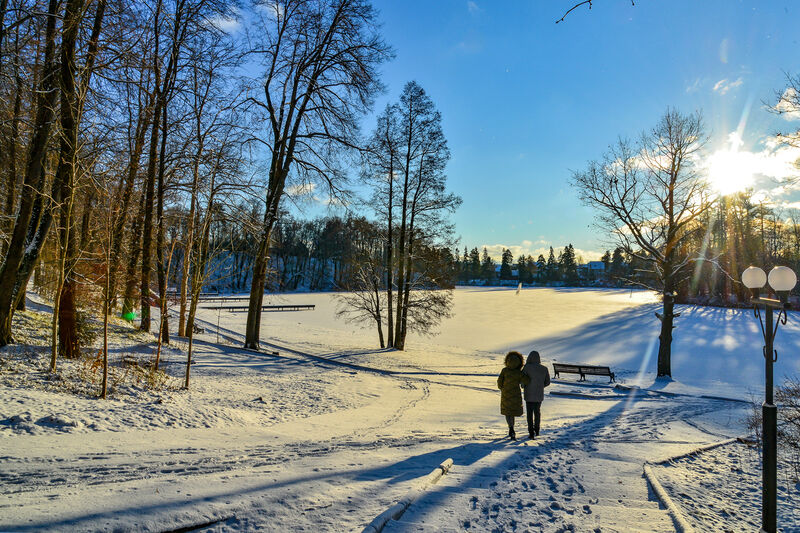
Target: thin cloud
x=473, y=8
x=301, y=189
x=694, y=86
x=723, y=85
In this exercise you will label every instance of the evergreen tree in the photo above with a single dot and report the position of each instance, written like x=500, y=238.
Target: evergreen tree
x=466, y=271
x=618, y=264
x=505, y=264
x=474, y=264
x=487, y=266
x=552, y=267
x=541, y=269
x=569, y=268
x=522, y=269
x=606, y=259
x=530, y=269
x=458, y=266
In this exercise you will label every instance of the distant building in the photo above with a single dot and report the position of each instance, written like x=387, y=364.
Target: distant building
x=514, y=276
x=592, y=270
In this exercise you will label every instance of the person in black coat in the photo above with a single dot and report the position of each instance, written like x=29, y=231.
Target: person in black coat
x=539, y=378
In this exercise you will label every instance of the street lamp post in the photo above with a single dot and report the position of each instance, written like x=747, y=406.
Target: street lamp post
x=782, y=280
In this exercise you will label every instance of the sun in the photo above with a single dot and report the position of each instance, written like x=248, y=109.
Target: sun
x=730, y=171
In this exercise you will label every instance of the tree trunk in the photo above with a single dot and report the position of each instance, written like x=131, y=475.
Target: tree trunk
x=134, y=250
x=378, y=312
x=189, y=353
x=3, y=8
x=66, y=175
x=45, y=105
x=162, y=274
x=13, y=141
x=187, y=253
x=253, y=327
x=389, y=265
x=274, y=193
x=86, y=219
x=38, y=229
x=665, y=338
x=106, y=305
x=147, y=234
x=41, y=218
x=406, y=290
x=164, y=314
x=199, y=267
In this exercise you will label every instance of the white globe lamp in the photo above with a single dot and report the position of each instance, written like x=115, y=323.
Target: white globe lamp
x=782, y=280
x=754, y=279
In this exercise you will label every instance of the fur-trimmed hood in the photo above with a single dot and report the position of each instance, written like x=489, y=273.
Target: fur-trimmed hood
x=513, y=360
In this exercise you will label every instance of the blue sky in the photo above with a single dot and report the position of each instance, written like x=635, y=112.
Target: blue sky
x=525, y=101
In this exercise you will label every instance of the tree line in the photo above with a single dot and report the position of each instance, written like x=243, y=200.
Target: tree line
x=478, y=267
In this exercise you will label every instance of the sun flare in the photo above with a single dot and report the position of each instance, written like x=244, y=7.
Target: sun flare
x=730, y=171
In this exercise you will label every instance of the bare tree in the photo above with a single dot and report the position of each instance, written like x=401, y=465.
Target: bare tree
x=381, y=162
x=405, y=163
x=422, y=202
x=74, y=86
x=210, y=103
x=320, y=58
x=224, y=164
x=650, y=197
x=34, y=169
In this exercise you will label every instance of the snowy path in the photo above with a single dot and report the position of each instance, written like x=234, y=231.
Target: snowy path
x=583, y=476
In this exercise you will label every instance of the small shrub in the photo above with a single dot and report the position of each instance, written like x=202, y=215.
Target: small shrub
x=787, y=397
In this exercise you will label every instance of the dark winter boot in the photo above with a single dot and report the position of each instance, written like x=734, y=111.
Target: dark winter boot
x=512, y=435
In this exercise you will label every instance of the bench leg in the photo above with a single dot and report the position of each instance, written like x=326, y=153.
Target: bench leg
x=583, y=378
x=612, y=379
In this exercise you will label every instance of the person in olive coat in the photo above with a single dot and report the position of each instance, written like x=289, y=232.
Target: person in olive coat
x=509, y=382
x=539, y=378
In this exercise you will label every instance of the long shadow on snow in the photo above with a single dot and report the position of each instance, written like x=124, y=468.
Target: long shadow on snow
x=565, y=437
x=710, y=345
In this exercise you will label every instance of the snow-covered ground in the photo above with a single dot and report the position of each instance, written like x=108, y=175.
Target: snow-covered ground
x=737, y=468
x=331, y=431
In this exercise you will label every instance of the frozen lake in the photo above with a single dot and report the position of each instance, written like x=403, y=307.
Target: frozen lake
x=714, y=351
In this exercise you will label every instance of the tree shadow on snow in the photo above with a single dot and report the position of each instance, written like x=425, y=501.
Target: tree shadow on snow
x=711, y=346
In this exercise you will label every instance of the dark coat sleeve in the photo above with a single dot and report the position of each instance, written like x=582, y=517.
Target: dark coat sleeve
x=546, y=377
x=500, y=381
x=524, y=379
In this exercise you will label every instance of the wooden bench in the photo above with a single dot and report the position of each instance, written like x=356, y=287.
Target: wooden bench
x=582, y=370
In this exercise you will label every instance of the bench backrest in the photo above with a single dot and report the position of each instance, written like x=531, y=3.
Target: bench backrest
x=596, y=370
x=562, y=367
